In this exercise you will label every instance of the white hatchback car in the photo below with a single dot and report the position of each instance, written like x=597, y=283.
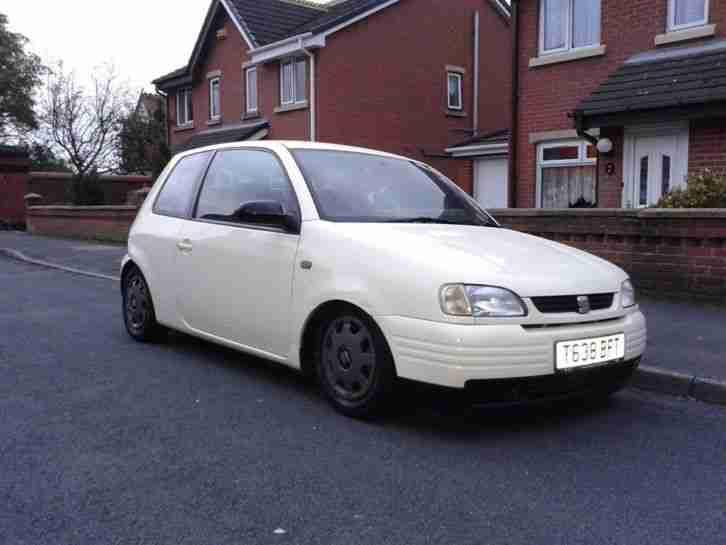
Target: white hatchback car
x=362, y=268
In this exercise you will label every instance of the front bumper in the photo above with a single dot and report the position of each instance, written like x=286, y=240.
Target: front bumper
x=450, y=354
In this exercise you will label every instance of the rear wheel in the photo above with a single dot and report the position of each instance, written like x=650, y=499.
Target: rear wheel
x=138, y=308
x=354, y=364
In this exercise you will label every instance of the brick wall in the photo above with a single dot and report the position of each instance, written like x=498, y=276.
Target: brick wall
x=383, y=80
x=109, y=223
x=671, y=252
x=707, y=147
x=548, y=93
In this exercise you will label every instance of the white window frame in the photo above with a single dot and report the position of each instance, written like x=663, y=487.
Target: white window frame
x=294, y=91
x=582, y=160
x=251, y=108
x=672, y=26
x=568, y=33
x=184, y=113
x=214, y=116
x=460, y=77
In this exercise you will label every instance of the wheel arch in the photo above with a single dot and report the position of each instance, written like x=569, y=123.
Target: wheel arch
x=129, y=264
x=313, y=322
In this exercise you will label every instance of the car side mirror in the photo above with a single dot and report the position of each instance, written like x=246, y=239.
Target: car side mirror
x=267, y=213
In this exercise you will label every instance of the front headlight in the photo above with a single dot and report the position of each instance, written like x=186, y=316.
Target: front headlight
x=627, y=294
x=480, y=302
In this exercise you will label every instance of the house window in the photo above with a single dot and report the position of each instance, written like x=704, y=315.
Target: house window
x=569, y=24
x=184, y=114
x=251, y=79
x=687, y=13
x=566, y=175
x=293, y=78
x=214, y=99
x=455, y=99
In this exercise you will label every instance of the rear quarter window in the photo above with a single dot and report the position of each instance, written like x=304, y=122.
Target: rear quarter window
x=175, y=198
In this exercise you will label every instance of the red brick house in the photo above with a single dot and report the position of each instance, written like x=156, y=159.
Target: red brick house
x=646, y=79
x=395, y=75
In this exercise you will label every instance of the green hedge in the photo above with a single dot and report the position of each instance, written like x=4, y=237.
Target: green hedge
x=705, y=190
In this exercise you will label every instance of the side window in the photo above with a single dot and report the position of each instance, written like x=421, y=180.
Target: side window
x=176, y=195
x=238, y=177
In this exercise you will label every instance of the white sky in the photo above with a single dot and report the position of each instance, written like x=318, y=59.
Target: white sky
x=144, y=39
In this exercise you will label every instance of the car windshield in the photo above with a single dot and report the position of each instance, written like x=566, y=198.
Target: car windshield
x=358, y=187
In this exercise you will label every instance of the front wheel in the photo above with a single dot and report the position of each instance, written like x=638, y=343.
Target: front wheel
x=354, y=365
x=138, y=308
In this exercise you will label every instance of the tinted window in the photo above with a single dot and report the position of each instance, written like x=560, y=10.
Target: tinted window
x=357, y=187
x=237, y=177
x=176, y=195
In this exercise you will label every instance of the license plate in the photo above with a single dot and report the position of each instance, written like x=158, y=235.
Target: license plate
x=571, y=354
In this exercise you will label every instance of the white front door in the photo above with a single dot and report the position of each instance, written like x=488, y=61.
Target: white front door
x=658, y=164
x=491, y=181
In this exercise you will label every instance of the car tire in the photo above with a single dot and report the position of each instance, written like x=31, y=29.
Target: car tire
x=138, y=308
x=354, y=365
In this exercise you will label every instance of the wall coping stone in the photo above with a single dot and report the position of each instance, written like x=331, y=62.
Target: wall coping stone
x=121, y=178
x=645, y=213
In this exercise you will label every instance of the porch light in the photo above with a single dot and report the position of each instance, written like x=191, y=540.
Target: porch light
x=604, y=146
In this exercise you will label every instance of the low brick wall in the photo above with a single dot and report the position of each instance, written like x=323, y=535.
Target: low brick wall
x=671, y=252
x=107, y=223
x=54, y=187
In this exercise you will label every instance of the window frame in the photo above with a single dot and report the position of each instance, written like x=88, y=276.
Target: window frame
x=569, y=32
x=250, y=108
x=671, y=25
x=460, y=77
x=195, y=190
x=182, y=103
x=212, y=82
x=254, y=226
x=582, y=160
x=294, y=98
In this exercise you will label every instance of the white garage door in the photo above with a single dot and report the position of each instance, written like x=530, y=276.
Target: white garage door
x=491, y=182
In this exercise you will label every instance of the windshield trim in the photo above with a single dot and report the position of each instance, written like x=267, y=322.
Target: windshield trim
x=480, y=217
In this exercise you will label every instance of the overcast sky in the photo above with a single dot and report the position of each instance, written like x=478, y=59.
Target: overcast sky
x=143, y=38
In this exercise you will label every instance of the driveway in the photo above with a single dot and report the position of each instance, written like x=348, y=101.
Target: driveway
x=109, y=441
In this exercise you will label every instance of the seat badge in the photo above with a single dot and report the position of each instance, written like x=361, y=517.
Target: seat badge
x=583, y=304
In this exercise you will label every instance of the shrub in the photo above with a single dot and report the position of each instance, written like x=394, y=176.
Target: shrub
x=705, y=190
x=86, y=190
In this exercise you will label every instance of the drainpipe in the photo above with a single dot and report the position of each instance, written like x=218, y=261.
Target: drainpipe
x=313, y=100
x=582, y=133
x=514, y=124
x=476, y=73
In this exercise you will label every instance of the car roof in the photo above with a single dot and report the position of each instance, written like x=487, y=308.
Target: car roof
x=277, y=145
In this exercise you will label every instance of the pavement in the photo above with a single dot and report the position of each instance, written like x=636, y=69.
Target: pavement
x=685, y=353
x=105, y=440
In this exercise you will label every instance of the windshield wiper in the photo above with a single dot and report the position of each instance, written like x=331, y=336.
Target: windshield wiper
x=422, y=219
x=427, y=219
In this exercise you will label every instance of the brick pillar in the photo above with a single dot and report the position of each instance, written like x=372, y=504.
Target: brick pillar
x=14, y=167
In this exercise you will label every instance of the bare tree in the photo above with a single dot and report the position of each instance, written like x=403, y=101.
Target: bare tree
x=84, y=123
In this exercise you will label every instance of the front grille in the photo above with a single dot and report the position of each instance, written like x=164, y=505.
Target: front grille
x=568, y=303
x=607, y=377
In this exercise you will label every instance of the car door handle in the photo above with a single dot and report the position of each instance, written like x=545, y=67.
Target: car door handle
x=184, y=245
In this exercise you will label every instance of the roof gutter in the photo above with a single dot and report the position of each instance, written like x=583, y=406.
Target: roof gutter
x=286, y=47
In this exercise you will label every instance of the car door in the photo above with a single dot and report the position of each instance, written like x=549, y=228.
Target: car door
x=236, y=274
x=153, y=241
